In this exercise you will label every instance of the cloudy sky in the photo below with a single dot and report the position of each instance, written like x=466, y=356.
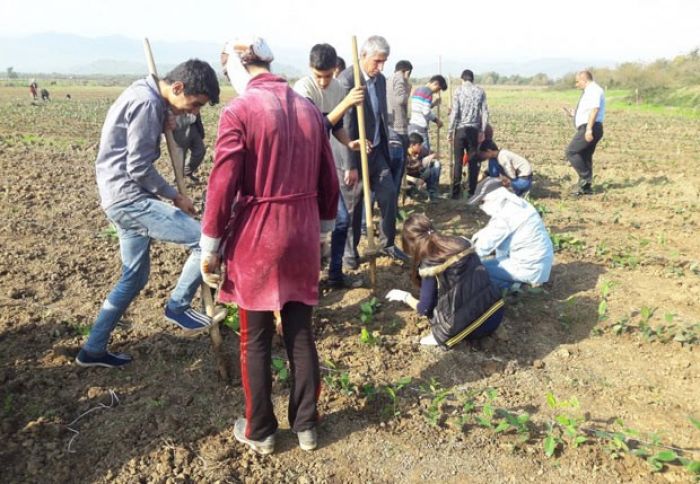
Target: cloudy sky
x=500, y=30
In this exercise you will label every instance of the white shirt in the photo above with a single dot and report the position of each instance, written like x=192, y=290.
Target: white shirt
x=325, y=99
x=513, y=164
x=593, y=97
x=518, y=235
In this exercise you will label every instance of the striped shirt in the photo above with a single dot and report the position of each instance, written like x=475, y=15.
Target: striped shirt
x=421, y=107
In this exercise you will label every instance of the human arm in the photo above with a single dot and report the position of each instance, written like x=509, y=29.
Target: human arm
x=355, y=96
x=589, y=126
x=488, y=239
x=145, y=123
x=484, y=118
x=428, y=297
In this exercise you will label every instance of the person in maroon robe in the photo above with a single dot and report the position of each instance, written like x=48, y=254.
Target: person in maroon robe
x=273, y=180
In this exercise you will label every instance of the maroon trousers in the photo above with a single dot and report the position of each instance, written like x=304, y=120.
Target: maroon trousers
x=257, y=330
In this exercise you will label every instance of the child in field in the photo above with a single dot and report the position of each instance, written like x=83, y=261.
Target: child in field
x=456, y=293
x=422, y=165
x=513, y=170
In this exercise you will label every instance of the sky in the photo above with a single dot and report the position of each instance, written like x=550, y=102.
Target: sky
x=498, y=30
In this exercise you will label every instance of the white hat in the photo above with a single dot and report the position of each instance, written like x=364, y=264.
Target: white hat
x=250, y=50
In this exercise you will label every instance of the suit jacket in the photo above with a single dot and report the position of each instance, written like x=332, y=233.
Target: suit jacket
x=352, y=160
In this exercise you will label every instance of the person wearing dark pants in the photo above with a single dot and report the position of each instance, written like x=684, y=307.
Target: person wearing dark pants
x=189, y=135
x=469, y=119
x=588, y=119
x=466, y=140
x=257, y=330
x=274, y=160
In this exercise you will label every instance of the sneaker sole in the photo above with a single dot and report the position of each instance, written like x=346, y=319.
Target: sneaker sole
x=102, y=365
x=307, y=448
x=186, y=329
x=256, y=448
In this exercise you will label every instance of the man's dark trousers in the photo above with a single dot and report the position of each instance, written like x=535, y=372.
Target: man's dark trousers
x=465, y=140
x=580, y=153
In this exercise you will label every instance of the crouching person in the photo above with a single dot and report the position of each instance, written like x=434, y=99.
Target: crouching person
x=131, y=190
x=422, y=165
x=455, y=291
x=514, y=171
x=515, y=233
x=273, y=158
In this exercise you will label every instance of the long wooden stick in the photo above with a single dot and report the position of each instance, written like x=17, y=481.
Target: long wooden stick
x=452, y=144
x=438, y=107
x=178, y=161
x=371, y=249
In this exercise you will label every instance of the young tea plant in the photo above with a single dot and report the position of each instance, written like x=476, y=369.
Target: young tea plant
x=437, y=395
x=392, y=391
x=367, y=310
x=279, y=367
x=232, y=320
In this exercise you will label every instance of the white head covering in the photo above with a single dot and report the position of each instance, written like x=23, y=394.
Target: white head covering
x=242, y=52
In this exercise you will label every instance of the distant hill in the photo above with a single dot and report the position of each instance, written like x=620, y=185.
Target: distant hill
x=118, y=55
x=112, y=55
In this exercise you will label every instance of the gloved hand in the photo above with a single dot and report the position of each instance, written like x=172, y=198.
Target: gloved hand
x=209, y=266
x=397, y=295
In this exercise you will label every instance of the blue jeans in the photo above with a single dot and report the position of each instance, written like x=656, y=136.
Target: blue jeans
x=431, y=175
x=520, y=185
x=137, y=223
x=499, y=276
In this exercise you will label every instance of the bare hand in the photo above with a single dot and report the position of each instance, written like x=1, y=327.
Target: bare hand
x=351, y=177
x=589, y=136
x=170, y=122
x=356, y=146
x=209, y=266
x=439, y=123
x=482, y=137
x=185, y=204
x=449, y=136
x=355, y=96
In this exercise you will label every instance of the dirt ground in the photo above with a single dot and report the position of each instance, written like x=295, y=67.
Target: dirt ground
x=391, y=411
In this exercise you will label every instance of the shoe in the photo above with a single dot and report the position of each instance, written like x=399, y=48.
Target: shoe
x=189, y=320
x=107, y=360
x=395, y=253
x=193, y=178
x=345, y=282
x=428, y=340
x=351, y=263
x=307, y=439
x=262, y=447
x=582, y=190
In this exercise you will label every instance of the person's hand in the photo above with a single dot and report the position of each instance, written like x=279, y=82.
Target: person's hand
x=506, y=181
x=351, y=177
x=185, y=204
x=449, y=136
x=482, y=137
x=356, y=146
x=589, y=135
x=209, y=267
x=397, y=295
x=355, y=96
x=170, y=121
x=439, y=123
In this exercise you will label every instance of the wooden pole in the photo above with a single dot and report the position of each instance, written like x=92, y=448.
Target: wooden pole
x=371, y=249
x=438, y=107
x=178, y=161
x=452, y=145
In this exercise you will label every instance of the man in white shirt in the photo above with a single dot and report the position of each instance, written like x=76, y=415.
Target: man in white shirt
x=588, y=119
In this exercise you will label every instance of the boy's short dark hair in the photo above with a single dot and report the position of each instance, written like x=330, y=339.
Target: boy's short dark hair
x=488, y=145
x=403, y=66
x=467, y=75
x=440, y=80
x=415, y=139
x=340, y=63
x=198, y=78
x=323, y=57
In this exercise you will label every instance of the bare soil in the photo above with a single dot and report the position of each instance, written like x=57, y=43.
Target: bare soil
x=637, y=236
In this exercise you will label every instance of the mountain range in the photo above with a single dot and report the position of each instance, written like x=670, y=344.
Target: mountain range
x=59, y=53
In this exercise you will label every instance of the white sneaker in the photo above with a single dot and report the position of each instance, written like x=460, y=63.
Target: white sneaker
x=307, y=439
x=428, y=340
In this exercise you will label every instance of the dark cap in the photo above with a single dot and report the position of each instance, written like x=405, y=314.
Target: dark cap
x=484, y=187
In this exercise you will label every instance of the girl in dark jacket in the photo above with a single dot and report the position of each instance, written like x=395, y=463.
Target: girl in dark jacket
x=456, y=293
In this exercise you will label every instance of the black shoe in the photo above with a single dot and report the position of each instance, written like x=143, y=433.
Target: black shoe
x=395, y=253
x=106, y=360
x=580, y=191
x=193, y=178
x=345, y=282
x=351, y=263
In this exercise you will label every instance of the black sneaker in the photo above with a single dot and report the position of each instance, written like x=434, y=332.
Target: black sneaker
x=107, y=360
x=581, y=191
x=395, y=253
x=345, y=282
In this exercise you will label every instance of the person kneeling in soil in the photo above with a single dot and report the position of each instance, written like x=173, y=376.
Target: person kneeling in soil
x=130, y=188
x=517, y=235
x=273, y=157
x=514, y=171
x=455, y=290
x=422, y=165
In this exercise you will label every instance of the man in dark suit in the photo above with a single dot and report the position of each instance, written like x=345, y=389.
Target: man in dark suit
x=373, y=54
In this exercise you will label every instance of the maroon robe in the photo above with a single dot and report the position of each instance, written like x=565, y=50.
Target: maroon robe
x=273, y=159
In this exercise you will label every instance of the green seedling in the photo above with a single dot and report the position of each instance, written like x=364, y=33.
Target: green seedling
x=110, y=233
x=82, y=329
x=368, y=338
x=621, y=326
x=279, y=367
x=438, y=396
x=367, y=310
x=232, y=320
x=552, y=440
x=567, y=242
x=369, y=391
x=392, y=391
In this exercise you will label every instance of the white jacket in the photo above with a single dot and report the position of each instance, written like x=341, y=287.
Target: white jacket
x=518, y=235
